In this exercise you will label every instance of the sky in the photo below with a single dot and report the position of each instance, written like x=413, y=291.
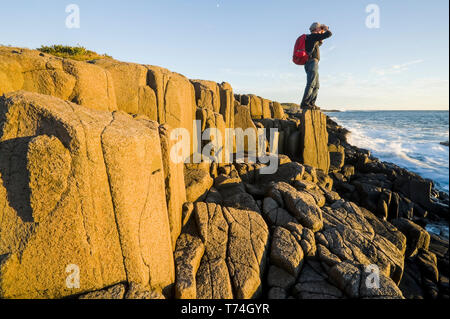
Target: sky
x=403, y=64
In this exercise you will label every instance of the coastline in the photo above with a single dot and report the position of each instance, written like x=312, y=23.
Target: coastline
x=410, y=139
x=91, y=156
x=366, y=163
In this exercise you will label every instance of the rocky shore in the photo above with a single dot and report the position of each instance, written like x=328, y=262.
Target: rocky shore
x=87, y=183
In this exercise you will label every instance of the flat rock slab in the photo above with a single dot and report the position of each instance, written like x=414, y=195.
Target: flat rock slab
x=198, y=182
x=349, y=234
x=300, y=204
x=235, y=244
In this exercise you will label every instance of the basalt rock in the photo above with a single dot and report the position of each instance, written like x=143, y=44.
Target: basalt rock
x=213, y=122
x=274, y=214
x=79, y=82
x=337, y=157
x=255, y=105
x=288, y=141
x=277, y=111
x=422, y=278
x=417, y=237
x=313, y=283
x=300, y=204
x=198, y=182
x=104, y=84
x=278, y=277
x=114, y=292
x=314, y=140
x=207, y=95
x=133, y=93
x=234, y=257
x=286, y=252
x=175, y=98
x=227, y=103
x=217, y=98
x=81, y=189
x=174, y=184
x=350, y=236
x=243, y=120
x=288, y=172
x=355, y=281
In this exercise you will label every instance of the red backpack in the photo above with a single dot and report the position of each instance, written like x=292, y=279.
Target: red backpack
x=300, y=55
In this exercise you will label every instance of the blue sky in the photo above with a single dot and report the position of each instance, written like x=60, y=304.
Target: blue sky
x=404, y=64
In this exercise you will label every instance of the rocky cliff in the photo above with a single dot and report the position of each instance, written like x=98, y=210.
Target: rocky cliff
x=87, y=180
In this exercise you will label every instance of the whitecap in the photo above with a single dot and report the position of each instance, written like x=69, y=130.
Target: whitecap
x=408, y=139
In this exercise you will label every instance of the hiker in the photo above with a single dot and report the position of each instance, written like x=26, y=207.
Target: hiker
x=319, y=32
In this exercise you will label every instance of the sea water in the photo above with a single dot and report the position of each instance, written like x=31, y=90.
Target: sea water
x=409, y=139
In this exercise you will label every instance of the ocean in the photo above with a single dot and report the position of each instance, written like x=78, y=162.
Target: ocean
x=409, y=139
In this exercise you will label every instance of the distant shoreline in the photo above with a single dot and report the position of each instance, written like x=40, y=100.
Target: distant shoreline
x=294, y=106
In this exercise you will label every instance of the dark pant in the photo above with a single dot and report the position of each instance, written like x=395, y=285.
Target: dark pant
x=312, y=83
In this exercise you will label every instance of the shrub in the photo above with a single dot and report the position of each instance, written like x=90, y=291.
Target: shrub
x=78, y=53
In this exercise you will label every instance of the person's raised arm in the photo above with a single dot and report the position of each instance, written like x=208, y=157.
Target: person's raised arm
x=321, y=36
x=326, y=35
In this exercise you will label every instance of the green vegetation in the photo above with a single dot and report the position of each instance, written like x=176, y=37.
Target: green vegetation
x=78, y=53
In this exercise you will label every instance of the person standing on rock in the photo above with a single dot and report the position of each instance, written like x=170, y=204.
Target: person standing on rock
x=319, y=32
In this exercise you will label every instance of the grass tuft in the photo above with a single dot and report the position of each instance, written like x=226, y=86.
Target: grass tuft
x=78, y=53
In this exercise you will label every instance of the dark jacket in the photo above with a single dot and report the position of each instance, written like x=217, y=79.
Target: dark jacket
x=313, y=41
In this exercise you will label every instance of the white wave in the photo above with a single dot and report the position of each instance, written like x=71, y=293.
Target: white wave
x=438, y=229
x=415, y=150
